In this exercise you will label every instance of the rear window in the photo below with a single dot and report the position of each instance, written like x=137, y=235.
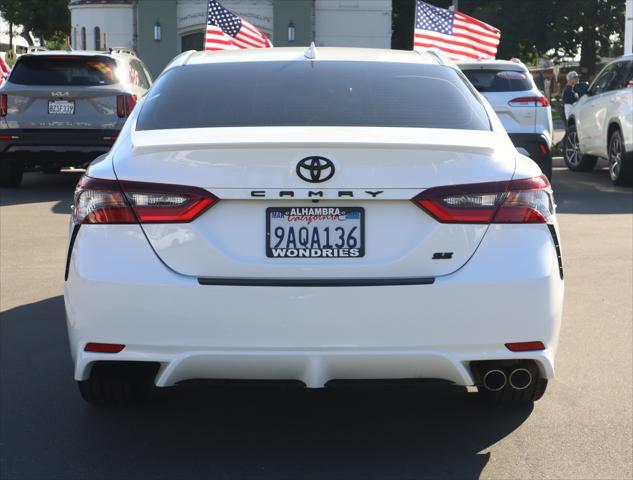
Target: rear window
x=499, y=80
x=65, y=71
x=322, y=93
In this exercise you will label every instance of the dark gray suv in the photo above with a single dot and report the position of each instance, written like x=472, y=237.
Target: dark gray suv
x=61, y=109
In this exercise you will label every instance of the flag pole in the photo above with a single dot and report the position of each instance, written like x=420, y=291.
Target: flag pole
x=455, y=5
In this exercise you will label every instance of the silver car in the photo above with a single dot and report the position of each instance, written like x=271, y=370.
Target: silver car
x=522, y=108
x=60, y=108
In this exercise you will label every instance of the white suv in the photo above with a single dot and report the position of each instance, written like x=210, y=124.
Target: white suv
x=522, y=108
x=361, y=215
x=601, y=123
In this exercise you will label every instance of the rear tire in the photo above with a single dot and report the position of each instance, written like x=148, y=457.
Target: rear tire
x=114, y=384
x=10, y=174
x=574, y=159
x=620, y=163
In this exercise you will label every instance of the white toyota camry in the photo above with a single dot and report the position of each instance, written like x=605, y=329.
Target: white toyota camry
x=316, y=217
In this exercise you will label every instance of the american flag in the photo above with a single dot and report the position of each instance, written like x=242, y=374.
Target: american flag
x=457, y=36
x=226, y=31
x=4, y=71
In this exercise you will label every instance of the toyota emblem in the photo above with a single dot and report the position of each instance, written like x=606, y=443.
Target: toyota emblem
x=315, y=169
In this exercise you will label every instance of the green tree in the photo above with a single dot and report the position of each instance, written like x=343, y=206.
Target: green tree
x=594, y=26
x=44, y=18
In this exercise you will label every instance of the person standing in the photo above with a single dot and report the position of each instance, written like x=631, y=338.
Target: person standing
x=569, y=96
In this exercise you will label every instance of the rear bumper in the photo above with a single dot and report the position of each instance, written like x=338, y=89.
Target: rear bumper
x=537, y=145
x=119, y=292
x=65, y=147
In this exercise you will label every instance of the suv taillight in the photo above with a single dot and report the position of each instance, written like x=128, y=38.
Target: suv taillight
x=540, y=101
x=111, y=201
x=3, y=105
x=518, y=201
x=125, y=104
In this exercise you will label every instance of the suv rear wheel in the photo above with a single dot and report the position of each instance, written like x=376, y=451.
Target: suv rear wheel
x=620, y=164
x=118, y=383
x=10, y=173
x=574, y=159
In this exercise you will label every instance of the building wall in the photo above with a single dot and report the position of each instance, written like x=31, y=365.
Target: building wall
x=192, y=15
x=115, y=20
x=298, y=12
x=353, y=23
x=19, y=42
x=156, y=54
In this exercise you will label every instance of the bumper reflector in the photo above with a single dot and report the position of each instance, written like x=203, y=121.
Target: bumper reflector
x=103, y=347
x=525, y=346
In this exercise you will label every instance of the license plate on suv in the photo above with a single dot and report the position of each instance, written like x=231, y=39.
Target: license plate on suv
x=315, y=232
x=61, y=107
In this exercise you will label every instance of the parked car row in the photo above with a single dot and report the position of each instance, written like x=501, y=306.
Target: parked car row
x=352, y=210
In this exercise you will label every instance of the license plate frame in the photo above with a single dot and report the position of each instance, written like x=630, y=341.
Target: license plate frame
x=61, y=107
x=354, y=215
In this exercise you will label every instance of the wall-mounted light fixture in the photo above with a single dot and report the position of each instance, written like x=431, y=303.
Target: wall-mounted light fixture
x=292, y=31
x=157, y=32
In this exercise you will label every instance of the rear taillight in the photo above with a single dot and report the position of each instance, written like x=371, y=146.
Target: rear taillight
x=3, y=105
x=109, y=201
x=517, y=201
x=125, y=104
x=535, y=101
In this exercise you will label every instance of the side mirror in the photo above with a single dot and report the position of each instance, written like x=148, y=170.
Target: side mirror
x=581, y=88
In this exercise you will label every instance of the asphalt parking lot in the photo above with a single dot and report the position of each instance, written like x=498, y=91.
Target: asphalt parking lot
x=581, y=429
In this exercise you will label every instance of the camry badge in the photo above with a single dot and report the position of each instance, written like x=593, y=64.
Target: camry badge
x=315, y=169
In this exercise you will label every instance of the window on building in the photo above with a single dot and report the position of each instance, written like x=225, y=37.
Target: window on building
x=97, y=38
x=83, y=38
x=74, y=44
x=192, y=41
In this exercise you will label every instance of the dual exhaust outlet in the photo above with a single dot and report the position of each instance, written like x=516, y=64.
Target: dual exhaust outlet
x=519, y=378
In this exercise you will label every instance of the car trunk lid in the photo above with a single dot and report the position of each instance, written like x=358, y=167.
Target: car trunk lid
x=254, y=173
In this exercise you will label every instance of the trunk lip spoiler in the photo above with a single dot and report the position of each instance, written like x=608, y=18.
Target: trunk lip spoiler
x=469, y=141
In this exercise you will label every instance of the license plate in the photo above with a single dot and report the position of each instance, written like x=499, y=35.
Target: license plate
x=61, y=107
x=315, y=232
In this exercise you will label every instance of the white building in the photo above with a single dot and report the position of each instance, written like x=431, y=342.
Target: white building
x=20, y=44
x=160, y=29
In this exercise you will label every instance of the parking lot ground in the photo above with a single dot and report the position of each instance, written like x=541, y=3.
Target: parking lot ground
x=581, y=429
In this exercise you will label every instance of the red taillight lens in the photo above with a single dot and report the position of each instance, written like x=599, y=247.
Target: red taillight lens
x=525, y=346
x=130, y=103
x=163, y=203
x=101, y=201
x=125, y=104
x=110, y=201
x=3, y=105
x=529, y=102
x=103, y=347
x=517, y=201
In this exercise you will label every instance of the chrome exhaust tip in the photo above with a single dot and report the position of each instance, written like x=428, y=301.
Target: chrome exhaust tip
x=494, y=380
x=520, y=378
